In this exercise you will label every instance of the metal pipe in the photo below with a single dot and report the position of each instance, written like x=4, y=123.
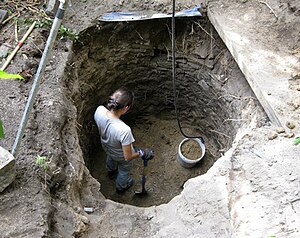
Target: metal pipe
x=42, y=65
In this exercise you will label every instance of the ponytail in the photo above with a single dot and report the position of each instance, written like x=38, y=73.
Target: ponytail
x=122, y=97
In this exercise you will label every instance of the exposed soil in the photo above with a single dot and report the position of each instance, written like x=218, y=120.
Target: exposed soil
x=61, y=120
x=191, y=150
x=205, y=69
x=165, y=176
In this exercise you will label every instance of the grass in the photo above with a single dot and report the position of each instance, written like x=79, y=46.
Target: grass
x=42, y=162
x=2, y=136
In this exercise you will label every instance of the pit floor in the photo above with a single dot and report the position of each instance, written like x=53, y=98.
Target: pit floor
x=165, y=177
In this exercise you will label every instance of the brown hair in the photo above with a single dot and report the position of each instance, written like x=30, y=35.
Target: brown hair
x=122, y=97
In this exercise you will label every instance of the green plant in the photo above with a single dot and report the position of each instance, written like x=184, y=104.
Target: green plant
x=297, y=140
x=68, y=33
x=4, y=75
x=41, y=161
x=2, y=136
x=43, y=23
x=64, y=32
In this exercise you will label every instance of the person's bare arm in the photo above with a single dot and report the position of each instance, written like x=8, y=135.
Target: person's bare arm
x=128, y=155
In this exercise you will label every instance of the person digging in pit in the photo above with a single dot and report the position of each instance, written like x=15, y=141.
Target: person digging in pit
x=117, y=138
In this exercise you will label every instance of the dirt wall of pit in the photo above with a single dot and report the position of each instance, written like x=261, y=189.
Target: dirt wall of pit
x=211, y=92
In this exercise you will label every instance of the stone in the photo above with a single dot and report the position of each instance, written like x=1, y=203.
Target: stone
x=202, y=52
x=289, y=135
x=272, y=135
x=7, y=169
x=85, y=220
x=3, y=15
x=280, y=130
x=290, y=124
x=52, y=6
x=4, y=50
x=295, y=104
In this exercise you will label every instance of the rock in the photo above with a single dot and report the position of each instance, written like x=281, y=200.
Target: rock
x=290, y=124
x=289, y=135
x=4, y=50
x=202, y=52
x=85, y=220
x=7, y=169
x=280, y=130
x=52, y=6
x=272, y=135
x=295, y=104
x=3, y=15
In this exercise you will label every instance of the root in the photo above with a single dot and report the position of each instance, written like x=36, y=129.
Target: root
x=232, y=119
x=233, y=96
x=169, y=56
x=139, y=35
x=16, y=31
x=204, y=30
x=220, y=133
x=263, y=2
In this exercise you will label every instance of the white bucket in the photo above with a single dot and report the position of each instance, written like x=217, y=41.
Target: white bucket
x=188, y=163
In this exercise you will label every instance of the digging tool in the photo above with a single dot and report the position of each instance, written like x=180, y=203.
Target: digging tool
x=144, y=191
x=20, y=43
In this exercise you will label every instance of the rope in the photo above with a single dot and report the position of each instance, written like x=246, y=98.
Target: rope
x=174, y=76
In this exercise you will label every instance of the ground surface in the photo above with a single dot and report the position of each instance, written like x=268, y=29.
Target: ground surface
x=259, y=179
x=275, y=79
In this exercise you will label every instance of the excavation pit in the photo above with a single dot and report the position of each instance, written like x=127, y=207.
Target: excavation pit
x=214, y=99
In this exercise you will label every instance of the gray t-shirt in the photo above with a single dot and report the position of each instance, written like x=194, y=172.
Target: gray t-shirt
x=114, y=133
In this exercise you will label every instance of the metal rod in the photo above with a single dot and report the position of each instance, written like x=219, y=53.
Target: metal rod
x=38, y=75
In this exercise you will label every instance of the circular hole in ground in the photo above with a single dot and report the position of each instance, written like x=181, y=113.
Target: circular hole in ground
x=212, y=95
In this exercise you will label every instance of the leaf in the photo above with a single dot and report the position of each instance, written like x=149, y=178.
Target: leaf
x=40, y=160
x=4, y=75
x=2, y=136
x=297, y=140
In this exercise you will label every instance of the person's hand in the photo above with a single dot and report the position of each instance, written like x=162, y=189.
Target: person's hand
x=146, y=154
